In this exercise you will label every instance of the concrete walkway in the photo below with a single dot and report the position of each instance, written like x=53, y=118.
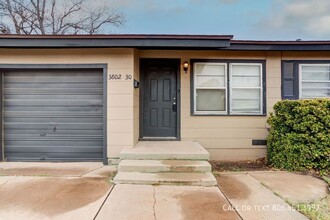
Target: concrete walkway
x=83, y=191
x=166, y=202
x=252, y=200
x=293, y=187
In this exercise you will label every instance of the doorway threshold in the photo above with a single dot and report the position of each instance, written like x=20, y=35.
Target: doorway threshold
x=159, y=139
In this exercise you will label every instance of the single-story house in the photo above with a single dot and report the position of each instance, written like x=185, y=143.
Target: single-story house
x=85, y=98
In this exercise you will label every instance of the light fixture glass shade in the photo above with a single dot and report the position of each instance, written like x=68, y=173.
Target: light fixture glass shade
x=185, y=66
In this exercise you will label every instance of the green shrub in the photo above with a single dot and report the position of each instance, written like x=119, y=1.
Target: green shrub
x=299, y=137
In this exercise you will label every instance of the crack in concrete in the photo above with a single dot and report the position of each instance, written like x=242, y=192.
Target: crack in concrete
x=154, y=205
x=106, y=198
x=90, y=171
x=231, y=204
x=6, y=181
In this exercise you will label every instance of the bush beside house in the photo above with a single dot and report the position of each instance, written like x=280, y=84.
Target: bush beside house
x=299, y=137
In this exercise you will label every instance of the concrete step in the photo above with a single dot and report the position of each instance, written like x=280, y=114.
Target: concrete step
x=191, y=179
x=166, y=150
x=159, y=166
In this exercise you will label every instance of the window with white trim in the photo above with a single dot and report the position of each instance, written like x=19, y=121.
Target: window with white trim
x=210, y=89
x=314, y=81
x=222, y=91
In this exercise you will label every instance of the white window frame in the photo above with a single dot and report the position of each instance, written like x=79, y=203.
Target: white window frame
x=301, y=81
x=231, y=89
x=225, y=112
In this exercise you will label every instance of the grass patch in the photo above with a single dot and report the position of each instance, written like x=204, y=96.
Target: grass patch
x=111, y=177
x=42, y=175
x=318, y=210
x=326, y=179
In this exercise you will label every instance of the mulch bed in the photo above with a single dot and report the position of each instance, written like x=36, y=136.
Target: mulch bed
x=254, y=165
x=237, y=166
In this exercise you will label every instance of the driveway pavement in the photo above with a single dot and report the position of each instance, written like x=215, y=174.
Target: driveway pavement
x=83, y=191
x=53, y=190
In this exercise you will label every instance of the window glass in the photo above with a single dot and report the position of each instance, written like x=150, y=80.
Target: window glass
x=314, y=81
x=210, y=81
x=246, y=89
x=315, y=73
x=210, y=69
x=246, y=100
x=244, y=93
x=245, y=76
x=312, y=93
x=210, y=100
x=210, y=88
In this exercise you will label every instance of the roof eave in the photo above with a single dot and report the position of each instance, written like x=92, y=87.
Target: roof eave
x=161, y=42
x=113, y=43
x=278, y=46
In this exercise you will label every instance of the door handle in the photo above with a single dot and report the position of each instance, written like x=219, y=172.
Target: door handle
x=174, y=106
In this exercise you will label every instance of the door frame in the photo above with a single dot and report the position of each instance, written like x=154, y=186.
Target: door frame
x=103, y=67
x=177, y=62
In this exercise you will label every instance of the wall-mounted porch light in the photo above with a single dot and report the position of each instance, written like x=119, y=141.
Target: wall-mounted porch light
x=185, y=66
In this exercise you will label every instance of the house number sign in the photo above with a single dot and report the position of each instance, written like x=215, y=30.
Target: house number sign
x=120, y=77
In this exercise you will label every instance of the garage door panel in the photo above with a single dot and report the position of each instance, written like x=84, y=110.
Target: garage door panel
x=50, y=91
x=56, y=149
x=50, y=103
x=52, y=120
x=44, y=87
x=55, y=141
x=53, y=80
x=52, y=97
x=56, y=73
x=49, y=126
x=53, y=115
x=29, y=132
x=54, y=156
x=46, y=137
x=51, y=138
x=92, y=109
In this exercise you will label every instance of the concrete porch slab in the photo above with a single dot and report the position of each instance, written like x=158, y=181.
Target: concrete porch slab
x=166, y=150
x=154, y=166
x=190, y=179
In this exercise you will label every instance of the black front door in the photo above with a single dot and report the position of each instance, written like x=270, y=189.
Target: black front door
x=159, y=82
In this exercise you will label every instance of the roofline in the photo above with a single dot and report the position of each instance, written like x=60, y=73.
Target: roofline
x=279, y=45
x=297, y=42
x=157, y=41
x=119, y=36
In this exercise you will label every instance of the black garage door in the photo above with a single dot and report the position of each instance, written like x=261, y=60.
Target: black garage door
x=53, y=115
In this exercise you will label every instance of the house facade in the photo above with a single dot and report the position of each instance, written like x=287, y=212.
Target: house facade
x=86, y=98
